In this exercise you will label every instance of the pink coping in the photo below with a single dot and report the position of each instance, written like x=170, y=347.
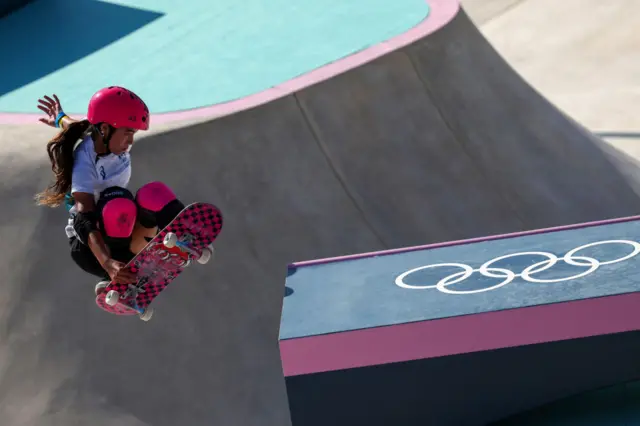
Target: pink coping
x=463, y=334
x=441, y=12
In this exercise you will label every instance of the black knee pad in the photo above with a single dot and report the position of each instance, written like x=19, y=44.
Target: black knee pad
x=112, y=193
x=157, y=205
x=161, y=219
x=168, y=213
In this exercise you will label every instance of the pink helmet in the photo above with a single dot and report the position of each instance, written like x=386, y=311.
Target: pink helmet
x=118, y=107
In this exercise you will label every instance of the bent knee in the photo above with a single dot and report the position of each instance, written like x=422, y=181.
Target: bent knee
x=118, y=217
x=117, y=212
x=157, y=205
x=154, y=196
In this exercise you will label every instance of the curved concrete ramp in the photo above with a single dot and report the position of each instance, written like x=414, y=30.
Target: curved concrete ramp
x=437, y=142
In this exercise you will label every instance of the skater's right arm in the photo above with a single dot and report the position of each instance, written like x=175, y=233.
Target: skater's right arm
x=83, y=181
x=86, y=210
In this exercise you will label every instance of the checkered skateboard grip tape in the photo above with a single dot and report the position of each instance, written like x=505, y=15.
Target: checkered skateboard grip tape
x=203, y=221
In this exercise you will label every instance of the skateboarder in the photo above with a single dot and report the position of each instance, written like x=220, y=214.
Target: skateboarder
x=91, y=164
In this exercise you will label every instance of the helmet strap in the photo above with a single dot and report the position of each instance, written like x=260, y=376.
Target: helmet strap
x=106, y=143
x=106, y=139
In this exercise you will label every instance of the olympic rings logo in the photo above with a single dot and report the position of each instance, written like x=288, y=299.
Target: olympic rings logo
x=527, y=274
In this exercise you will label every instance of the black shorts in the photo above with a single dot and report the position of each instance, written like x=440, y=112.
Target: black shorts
x=86, y=260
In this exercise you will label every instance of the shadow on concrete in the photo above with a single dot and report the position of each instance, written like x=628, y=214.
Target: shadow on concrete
x=610, y=406
x=10, y=6
x=48, y=35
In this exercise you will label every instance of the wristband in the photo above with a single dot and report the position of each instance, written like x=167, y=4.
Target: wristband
x=59, y=118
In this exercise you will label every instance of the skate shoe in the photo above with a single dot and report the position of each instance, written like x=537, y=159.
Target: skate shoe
x=100, y=287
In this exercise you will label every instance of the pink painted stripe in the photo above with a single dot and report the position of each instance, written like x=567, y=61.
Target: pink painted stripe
x=463, y=334
x=467, y=241
x=441, y=12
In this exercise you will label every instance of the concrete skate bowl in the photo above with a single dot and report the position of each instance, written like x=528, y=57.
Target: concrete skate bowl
x=436, y=140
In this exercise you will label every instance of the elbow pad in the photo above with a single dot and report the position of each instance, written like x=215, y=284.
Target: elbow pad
x=85, y=223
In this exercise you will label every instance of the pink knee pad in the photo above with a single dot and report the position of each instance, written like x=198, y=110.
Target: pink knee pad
x=119, y=217
x=154, y=196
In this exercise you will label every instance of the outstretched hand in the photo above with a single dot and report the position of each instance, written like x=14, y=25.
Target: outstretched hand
x=118, y=272
x=51, y=107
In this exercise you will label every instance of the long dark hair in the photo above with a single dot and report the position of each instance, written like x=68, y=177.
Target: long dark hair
x=60, y=150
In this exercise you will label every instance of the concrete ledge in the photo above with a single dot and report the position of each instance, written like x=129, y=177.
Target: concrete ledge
x=474, y=388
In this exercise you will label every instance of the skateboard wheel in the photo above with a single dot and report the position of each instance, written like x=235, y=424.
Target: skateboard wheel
x=170, y=240
x=147, y=314
x=112, y=297
x=206, y=255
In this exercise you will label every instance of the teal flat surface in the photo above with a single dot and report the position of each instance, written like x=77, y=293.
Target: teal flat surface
x=363, y=293
x=183, y=56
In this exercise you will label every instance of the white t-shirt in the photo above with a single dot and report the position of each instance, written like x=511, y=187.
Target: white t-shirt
x=93, y=173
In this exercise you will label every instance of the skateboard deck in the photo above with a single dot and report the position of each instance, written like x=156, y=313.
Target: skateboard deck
x=164, y=258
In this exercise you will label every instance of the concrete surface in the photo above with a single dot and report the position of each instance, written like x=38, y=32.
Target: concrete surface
x=439, y=141
x=582, y=55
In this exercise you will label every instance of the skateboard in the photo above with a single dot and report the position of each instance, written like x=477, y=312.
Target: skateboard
x=160, y=262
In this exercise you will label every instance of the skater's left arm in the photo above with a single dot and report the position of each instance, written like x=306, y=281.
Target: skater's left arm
x=83, y=180
x=65, y=121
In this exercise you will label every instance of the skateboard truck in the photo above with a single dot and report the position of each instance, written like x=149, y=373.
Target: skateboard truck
x=112, y=297
x=171, y=240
